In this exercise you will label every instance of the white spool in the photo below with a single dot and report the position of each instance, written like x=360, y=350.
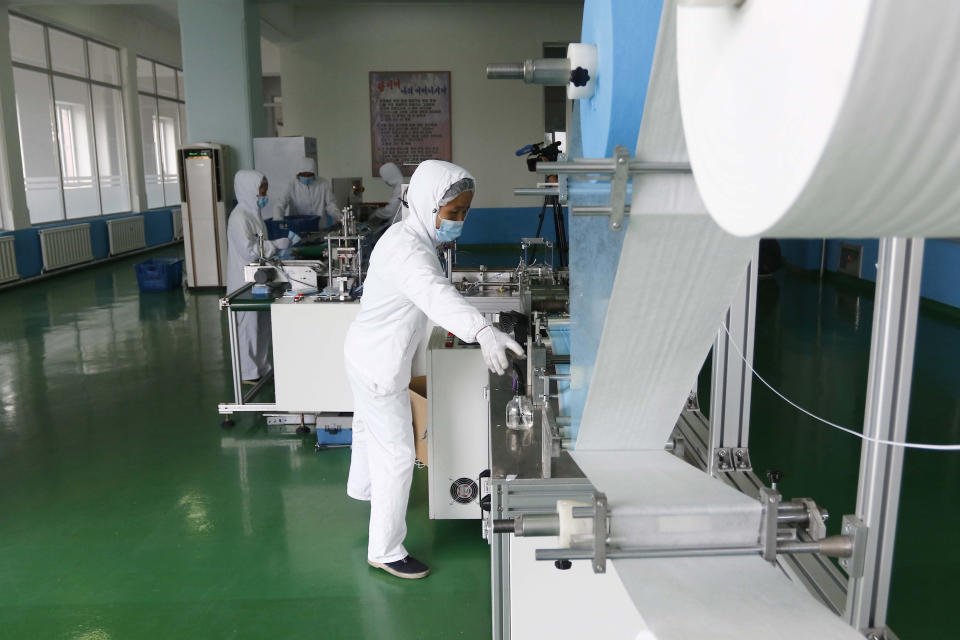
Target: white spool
x=583, y=56
x=818, y=118
x=573, y=530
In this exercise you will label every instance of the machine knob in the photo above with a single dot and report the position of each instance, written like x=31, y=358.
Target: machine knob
x=579, y=77
x=485, y=502
x=773, y=477
x=263, y=276
x=563, y=565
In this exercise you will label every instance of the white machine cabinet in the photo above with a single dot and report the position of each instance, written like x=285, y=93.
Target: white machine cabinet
x=204, y=213
x=457, y=441
x=309, y=371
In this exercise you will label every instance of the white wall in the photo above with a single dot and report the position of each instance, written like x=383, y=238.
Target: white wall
x=326, y=86
x=119, y=26
x=269, y=58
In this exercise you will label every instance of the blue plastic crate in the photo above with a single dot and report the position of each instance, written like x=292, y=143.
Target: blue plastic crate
x=333, y=437
x=159, y=274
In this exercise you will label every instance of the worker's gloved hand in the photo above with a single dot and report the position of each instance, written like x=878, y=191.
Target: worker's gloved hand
x=494, y=344
x=284, y=254
x=294, y=239
x=281, y=243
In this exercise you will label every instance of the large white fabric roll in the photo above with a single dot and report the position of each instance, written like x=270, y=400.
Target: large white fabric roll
x=824, y=118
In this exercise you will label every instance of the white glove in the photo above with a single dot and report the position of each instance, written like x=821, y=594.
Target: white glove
x=281, y=243
x=494, y=344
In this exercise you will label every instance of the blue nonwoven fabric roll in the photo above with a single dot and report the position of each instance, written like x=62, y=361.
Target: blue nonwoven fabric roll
x=625, y=34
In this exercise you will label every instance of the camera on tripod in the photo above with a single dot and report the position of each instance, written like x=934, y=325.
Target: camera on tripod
x=537, y=152
x=540, y=151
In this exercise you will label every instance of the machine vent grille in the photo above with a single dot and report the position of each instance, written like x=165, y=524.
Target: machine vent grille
x=464, y=490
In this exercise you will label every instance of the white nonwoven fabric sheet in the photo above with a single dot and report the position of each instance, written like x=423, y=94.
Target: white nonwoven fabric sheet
x=657, y=499
x=740, y=597
x=819, y=118
x=677, y=274
x=726, y=598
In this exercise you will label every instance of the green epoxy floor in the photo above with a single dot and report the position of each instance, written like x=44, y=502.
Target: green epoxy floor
x=126, y=512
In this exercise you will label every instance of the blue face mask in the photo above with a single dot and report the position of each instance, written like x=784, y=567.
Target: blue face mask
x=449, y=230
x=305, y=180
x=262, y=201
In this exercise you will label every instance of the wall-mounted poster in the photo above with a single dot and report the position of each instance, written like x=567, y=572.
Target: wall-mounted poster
x=409, y=118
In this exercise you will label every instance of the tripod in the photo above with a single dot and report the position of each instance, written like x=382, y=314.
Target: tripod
x=559, y=227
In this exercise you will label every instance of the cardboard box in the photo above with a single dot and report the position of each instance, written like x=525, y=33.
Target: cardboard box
x=418, y=407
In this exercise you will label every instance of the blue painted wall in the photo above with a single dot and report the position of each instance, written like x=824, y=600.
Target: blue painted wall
x=508, y=225
x=157, y=226
x=941, y=263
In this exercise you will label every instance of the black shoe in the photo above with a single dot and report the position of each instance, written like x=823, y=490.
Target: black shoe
x=409, y=568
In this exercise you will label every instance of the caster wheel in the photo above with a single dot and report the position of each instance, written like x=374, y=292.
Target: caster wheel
x=227, y=423
x=303, y=431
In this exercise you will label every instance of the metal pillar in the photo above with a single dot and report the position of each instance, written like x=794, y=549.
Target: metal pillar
x=888, y=400
x=731, y=380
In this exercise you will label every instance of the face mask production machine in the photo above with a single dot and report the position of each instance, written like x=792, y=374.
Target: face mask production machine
x=311, y=305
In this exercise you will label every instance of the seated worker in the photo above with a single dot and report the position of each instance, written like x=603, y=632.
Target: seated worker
x=404, y=287
x=245, y=228
x=391, y=175
x=309, y=195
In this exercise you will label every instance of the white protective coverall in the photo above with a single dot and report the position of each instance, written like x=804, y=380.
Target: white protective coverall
x=244, y=227
x=315, y=199
x=404, y=286
x=391, y=175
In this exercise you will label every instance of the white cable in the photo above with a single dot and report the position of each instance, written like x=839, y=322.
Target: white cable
x=892, y=443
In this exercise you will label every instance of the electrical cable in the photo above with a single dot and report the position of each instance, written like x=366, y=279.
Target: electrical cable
x=891, y=443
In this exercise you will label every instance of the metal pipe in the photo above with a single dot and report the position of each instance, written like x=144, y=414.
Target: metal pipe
x=234, y=354
x=505, y=71
x=834, y=546
x=538, y=191
x=531, y=525
x=595, y=211
x=793, y=518
x=544, y=71
x=607, y=165
x=503, y=525
x=646, y=552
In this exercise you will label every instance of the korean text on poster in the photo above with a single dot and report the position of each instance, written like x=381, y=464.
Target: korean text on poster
x=409, y=118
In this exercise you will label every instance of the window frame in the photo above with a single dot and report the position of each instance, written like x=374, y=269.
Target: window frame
x=179, y=100
x=88, y=79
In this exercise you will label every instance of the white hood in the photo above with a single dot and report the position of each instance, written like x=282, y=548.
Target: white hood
x=246, y=189
x=307, y=165
x=427, y=186
x=391, y=174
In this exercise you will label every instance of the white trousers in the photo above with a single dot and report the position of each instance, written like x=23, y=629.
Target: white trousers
x=381, y=465
x=253, y=338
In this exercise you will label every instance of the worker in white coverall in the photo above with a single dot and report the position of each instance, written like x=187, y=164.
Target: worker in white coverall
x=404, y=286
x=244, y=230
x=393, y=177
x=310, y=195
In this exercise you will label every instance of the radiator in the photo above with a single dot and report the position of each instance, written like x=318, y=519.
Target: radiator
x=177, y=216
x=126, y=234
x=64, y=246
x=8, y=260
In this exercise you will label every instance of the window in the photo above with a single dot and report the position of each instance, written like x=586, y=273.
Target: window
x=162, y=120
x=70, y=117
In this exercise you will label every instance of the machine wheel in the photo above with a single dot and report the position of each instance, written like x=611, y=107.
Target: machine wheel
x=303, y=431
x=227, y=423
